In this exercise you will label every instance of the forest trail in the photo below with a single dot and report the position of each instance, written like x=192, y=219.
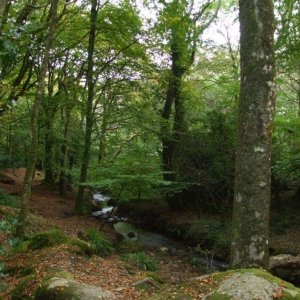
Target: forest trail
x=110, y=273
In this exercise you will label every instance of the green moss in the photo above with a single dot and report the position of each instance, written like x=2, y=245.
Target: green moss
x=85, y=248
x=47, y=239
x=218, y=296
x=21, y=247
x=18, y=292
x=218, y=277
x=264, y=274
x=155, y=277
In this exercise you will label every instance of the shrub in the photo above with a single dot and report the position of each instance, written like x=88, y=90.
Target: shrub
x=142, y=261
x=8, y=200
x=101, y=246
x=47, y=239
x=212, y=235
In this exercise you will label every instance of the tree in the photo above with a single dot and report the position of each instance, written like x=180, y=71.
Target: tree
x=253, y=155
x=32, y=153
x=89, y=106
x=181, y=24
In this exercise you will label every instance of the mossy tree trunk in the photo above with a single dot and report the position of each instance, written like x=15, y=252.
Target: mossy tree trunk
x=32, y=152
x=79, y=204
x=253, y=156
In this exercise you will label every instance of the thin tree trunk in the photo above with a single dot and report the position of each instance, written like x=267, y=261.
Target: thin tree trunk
x=32, y=152
x=79, y=204
x=250, y=226
x=64, y=153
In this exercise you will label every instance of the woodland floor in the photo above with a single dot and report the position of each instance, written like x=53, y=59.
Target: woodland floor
x=110, y=273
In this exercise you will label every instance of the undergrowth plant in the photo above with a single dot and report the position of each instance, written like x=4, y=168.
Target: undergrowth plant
x=102, y=246
x=142, y=261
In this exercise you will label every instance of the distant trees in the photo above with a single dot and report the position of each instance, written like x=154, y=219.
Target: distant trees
x=250, y=226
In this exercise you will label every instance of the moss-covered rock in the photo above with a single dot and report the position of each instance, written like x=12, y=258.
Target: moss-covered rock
x=47, y=239
x=250, y=284
x=57, y=288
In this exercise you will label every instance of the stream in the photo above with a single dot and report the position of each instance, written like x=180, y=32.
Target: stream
x=151, y=239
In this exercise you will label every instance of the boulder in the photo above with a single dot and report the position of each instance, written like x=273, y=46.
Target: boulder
x=286, y=266
x=249, y=284
x=67, y=289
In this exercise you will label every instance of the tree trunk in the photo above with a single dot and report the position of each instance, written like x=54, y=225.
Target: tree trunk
x=251, y=206
x=48, y=162
x=32, y=152
x=64, y=153
x=169, y=133
x=79, y=204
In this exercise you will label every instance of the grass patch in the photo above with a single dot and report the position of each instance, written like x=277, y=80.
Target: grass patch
x=141, y=261
x=100, y=245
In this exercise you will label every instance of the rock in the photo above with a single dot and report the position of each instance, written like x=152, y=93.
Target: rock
x=66, y=289
x=286, y=267
x=249, y=284
x=164, y=249
x=110, y=220
x=131, y=235
x=97, y=213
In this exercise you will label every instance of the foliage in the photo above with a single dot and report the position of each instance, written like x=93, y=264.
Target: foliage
x=101, y=246
x=8, y=200
x=213, y=235
x=47, y=239
x=135, y=175
x=142, y=261
x=18, y=292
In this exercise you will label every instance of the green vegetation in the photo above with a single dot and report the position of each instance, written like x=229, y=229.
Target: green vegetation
x=18, y=292
x=142, y=261
x=47, y=239
x=100, y=245
x=8, y=200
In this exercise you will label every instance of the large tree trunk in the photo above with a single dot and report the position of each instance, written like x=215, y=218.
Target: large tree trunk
x=253, y=156
x=32, y=152
x=79, y=204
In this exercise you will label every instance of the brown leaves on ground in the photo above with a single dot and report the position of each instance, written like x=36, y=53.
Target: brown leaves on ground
x=52, y=211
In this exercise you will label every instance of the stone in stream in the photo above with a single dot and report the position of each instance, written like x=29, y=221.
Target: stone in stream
x=97, y=213
x=131, y=235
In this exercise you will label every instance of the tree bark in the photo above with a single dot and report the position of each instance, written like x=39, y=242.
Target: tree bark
x=251, y=206
x=79, y=204
x=32, y=152
x=64, y=153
